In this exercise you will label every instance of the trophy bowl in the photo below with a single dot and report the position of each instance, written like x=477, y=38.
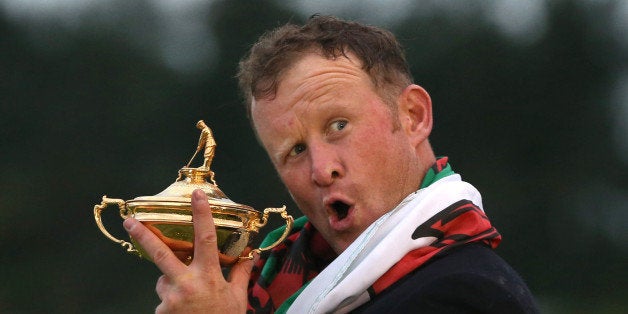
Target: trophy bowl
x=168, y=214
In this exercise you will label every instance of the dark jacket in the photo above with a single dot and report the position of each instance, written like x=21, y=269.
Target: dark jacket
x=468, y=279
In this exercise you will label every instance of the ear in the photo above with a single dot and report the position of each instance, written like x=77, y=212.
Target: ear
x=415, y=113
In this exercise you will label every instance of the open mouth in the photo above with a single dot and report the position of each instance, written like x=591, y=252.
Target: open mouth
x=341, y=209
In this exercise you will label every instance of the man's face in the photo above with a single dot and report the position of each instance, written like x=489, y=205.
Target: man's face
x=337, y=146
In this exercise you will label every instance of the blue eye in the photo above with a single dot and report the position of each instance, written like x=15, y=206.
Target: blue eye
x=339, y=125
x=297, y=149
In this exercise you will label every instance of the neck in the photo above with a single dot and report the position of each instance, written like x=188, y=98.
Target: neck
x=426, y=158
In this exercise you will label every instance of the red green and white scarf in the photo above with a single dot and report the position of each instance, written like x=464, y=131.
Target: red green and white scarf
x=305, y=274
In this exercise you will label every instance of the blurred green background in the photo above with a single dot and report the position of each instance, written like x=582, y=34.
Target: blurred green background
x=101, y=97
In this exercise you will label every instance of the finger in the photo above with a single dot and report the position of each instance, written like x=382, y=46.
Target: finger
x=241, y=272
x=162, y=286
x=158, y=251
x=161, y=308
x=205, y=238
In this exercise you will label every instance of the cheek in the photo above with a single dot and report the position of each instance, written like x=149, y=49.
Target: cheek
x=296, y=182
x=384, y=158
x=373, y=145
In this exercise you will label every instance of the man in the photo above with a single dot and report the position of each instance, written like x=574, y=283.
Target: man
x=388, y=227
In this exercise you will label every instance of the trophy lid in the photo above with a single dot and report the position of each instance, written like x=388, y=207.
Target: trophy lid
x=179, y=193
x=181, y=190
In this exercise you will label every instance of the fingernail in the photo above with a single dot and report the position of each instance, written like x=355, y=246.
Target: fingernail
x=198, y=195
x=129, y=224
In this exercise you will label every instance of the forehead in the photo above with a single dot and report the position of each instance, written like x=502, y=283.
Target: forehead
x=313, y=67
x=312, y=73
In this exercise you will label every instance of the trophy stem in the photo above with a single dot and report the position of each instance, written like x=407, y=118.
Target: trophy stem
x=197, y=175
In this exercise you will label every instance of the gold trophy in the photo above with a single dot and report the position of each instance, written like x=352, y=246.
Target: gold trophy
x=169, y=213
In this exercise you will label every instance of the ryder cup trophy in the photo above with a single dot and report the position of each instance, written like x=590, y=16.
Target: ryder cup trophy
x=169, y=213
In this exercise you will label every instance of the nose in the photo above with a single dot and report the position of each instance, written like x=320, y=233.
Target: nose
x=326, y=166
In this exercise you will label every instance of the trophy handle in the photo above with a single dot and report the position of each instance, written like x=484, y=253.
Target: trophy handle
x=123, y=213
x=289, y=221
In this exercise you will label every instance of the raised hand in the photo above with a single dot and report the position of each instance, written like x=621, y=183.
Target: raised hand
x=199, y=287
